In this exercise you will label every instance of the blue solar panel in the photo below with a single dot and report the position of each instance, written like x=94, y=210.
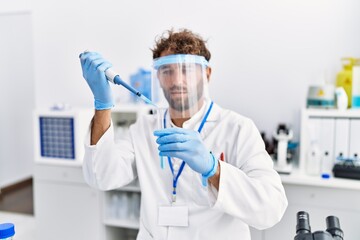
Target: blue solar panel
x=57, y=137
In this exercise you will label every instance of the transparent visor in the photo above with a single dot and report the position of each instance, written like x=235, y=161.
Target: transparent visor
x=183, y=83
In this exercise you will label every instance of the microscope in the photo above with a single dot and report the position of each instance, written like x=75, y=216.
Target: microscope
x=282, y=135
x=303, y=230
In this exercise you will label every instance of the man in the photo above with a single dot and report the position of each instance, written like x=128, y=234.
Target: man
x=217, y=180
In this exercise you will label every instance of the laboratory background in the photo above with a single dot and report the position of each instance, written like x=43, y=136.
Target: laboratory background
x=293, y=67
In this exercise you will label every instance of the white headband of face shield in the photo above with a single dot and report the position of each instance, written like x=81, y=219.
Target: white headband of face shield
x=180, y=58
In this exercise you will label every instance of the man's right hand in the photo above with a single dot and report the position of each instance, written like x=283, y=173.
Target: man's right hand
x=93, y=68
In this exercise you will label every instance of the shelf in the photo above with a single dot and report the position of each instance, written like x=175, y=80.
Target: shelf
x=131, y=187
x=123, y=223
x=335, y=134
x=59, y=162
x=349, y=113
x=297, y=178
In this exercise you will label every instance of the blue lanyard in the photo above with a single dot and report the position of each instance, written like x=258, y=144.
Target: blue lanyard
x=175, y=178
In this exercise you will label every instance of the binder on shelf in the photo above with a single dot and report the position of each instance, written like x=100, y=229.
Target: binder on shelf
x=354, y=150
x=341, y=141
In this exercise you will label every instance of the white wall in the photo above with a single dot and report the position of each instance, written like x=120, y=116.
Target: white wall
x=264, y=53
x=17, y=97
x=12, y=6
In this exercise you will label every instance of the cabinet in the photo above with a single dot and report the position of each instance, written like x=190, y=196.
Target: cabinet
x=121, y=211
x=121, y=207
x=66, y=207
x=335, y=132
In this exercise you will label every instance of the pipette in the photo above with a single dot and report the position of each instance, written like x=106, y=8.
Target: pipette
x=114, y=77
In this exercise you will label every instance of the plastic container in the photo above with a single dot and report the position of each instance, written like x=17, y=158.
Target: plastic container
x=123, y=207
x=7, y=231
x=326, y=166
x=341, y=98
x=134, y=206
x=356, y=84
x=344, y=77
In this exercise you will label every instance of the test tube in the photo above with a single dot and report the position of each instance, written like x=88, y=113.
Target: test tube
x=160, y=116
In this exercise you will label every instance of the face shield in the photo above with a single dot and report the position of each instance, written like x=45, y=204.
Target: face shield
x=183, y=83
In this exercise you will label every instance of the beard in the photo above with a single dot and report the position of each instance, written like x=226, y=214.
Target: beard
x=186, y=100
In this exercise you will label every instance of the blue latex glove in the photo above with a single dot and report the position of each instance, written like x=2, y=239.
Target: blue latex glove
x=93, y=68
x=186, y=145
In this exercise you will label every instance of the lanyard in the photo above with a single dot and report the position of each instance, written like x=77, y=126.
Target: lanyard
x=175, y=178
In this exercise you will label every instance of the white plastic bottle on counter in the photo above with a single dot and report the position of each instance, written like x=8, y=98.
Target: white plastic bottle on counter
x=341, y=98
x=314, y=159
x=326, y=166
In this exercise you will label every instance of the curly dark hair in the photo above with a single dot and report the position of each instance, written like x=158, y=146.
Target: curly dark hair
x=182, y=42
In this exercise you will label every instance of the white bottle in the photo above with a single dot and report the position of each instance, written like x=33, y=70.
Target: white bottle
x=135, y=201
x=113, y=213
x=123, y=207
x=341, y=98
x=313, y=161
x=326, y=166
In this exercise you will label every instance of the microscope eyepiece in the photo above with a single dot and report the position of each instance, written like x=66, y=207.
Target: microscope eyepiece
x=303, y=230
x=303, y=223
x=333, y=227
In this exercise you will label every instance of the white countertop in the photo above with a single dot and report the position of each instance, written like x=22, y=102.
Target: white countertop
x=296, y=178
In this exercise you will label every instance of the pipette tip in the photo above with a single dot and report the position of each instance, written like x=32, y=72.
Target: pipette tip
x=148, y=101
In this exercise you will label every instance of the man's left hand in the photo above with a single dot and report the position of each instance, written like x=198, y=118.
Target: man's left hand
x=186, y=145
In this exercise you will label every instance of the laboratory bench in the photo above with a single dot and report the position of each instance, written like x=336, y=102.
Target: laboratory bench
x=64, y=201
x=297, y=178
x=320, y=198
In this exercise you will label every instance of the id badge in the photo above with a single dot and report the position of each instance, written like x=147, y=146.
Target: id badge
x=173, y=215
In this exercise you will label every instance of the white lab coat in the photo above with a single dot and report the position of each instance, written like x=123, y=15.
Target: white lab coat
x=250, y=191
